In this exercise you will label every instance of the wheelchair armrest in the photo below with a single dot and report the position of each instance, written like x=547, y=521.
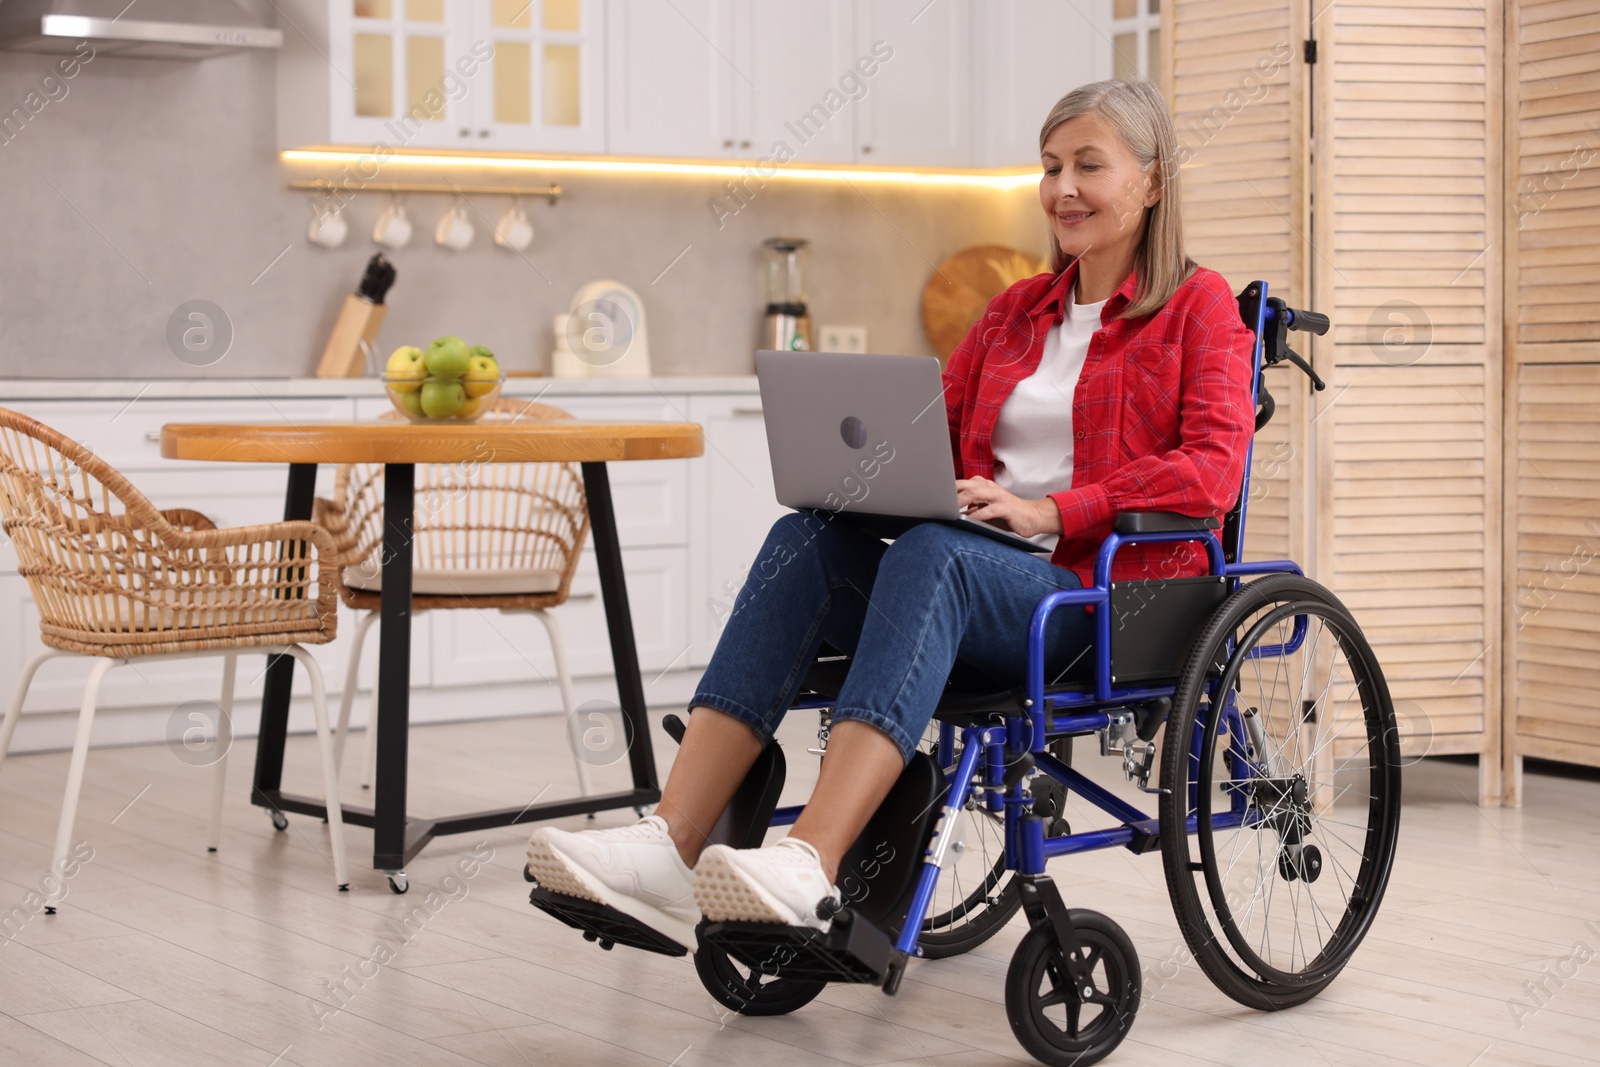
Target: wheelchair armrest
x=1140, y=522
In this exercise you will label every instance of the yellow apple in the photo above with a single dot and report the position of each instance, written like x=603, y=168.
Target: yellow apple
x=406, y=369
x=482, y=374
x=469, y=407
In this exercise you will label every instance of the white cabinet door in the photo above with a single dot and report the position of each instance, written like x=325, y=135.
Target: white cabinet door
x=1031, y=53
x=734, y=507
x=541, y=91
x=670, y=78
x=916, y=108
x=404, y=72
x=797, y=83
x=483, y=647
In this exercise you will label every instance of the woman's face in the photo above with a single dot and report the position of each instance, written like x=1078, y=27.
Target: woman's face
x=1093, y=190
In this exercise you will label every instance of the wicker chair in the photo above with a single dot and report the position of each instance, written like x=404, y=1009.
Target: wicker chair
x=117, y=580
x=500, y=536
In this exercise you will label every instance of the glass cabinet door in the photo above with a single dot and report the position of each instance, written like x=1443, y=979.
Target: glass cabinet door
x=402, y=73
x=541, y=89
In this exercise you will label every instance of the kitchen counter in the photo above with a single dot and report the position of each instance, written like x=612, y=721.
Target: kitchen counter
x=17, y=389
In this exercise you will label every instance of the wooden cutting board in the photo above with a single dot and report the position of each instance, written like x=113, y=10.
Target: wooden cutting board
x=962, y=287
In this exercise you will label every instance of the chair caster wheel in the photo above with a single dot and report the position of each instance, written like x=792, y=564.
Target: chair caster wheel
x=210, y=849
x=344, y=887
x=397, y=881
x=280, y=821
x=49, y=909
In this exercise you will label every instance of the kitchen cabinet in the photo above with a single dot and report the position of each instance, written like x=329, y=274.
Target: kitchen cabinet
x=735, y=506
x=718, y=79
x=958, y=83
x=503, y=75
x=734, y=79
x=682, y=524
x=670, y=81
x=127, y=436
x=917, y=108
x=794, y=56
x=542, y=89
x=1028, y=54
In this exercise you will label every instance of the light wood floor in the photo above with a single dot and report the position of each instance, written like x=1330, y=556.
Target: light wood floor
x=165, y=955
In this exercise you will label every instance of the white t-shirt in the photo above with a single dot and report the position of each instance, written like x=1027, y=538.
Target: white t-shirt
x=1033, y=435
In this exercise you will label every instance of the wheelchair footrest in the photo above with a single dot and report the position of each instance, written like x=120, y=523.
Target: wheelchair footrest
x=853, y=949
x=603, y=924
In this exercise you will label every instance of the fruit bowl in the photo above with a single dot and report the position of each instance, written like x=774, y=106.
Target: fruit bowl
x=435, y=399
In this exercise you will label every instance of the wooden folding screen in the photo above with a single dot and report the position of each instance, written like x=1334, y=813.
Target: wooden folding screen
x=1238, y=93
x=1551, y=239
x=1380, y=208
x=1406, y=222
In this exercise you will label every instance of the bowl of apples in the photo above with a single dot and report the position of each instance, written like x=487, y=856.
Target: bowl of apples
x=446, y=382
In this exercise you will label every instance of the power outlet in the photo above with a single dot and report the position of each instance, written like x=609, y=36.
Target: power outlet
x=844, y=339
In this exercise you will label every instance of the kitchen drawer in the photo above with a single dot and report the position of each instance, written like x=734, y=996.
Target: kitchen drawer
x=127, y=434
x=480, y=647
x=650, y=497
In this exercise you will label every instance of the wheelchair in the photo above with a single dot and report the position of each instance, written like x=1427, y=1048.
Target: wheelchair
x=1278, y=796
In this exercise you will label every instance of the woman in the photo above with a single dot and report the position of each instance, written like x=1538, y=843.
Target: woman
x=1120, y=381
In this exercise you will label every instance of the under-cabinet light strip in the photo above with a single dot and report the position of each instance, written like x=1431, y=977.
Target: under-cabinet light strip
x=758, y=171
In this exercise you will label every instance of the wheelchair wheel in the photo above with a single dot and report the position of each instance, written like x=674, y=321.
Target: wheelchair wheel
x=747, y=990
x=976, y=895
x=1056, y=1023
x=1283, y=759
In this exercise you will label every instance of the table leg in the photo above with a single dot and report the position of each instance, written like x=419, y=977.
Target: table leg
x=394, y=669
x=280, y=669
x=619, y=623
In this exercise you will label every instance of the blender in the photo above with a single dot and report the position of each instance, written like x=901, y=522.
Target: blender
x=788, y=325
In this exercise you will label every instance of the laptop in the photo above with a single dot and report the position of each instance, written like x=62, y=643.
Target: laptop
x=865, y=438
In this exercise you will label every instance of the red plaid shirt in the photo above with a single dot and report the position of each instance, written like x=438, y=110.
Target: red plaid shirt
x=1161, y=416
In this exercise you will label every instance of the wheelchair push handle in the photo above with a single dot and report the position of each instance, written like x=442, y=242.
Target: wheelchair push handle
x=1288, y=318
x=1308, y=321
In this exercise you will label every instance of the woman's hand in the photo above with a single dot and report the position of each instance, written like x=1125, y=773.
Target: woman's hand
x=985, y=500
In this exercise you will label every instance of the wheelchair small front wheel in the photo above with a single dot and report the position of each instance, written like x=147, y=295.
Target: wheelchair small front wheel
x=1058, y=1023
x=1280, y=798
x=748, y=990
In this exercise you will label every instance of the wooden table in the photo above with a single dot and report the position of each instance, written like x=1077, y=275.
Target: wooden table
x=399, y=446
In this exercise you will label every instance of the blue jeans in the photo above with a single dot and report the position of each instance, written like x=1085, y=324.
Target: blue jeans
x=904, y=612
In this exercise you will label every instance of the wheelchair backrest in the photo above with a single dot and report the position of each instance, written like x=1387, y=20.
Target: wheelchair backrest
x=1252, y=309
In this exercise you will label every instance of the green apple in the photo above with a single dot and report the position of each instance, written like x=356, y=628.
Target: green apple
x=441, y=400
x=405, y=369
x=412, y=402
x=447, y=357
x=483, y=373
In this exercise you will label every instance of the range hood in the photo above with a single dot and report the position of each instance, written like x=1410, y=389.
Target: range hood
x=145, y=29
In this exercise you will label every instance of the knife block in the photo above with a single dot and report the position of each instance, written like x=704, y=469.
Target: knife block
x=354, y=331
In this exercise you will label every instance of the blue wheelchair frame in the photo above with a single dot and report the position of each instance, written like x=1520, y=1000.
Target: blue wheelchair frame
x=1027, y=847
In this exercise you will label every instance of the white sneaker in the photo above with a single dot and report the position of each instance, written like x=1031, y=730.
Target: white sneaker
x=782, y=883
x=634, y=869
